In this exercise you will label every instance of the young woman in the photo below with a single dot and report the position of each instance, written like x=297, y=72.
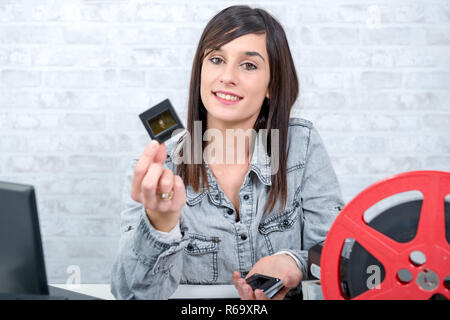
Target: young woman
x=214, y=221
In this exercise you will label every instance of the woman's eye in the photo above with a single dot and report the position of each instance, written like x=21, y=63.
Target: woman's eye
x=215, y=60
x=249, y=66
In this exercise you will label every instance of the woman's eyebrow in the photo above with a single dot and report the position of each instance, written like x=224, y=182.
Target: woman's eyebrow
x=247, y=53
x=253, y=54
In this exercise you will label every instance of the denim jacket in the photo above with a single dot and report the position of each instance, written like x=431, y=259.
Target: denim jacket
x=212, y=244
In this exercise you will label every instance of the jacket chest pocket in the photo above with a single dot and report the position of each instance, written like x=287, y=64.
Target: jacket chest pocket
x=200, y=260
x=282, y=231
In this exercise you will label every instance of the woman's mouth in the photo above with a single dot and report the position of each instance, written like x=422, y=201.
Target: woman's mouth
x=226, y=98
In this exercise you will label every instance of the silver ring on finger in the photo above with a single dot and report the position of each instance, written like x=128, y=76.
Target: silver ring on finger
x=166, y=196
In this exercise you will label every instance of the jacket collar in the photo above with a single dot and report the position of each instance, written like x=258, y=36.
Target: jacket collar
x=260, y=161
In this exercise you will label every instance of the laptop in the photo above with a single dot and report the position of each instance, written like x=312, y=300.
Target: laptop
x=22, y=266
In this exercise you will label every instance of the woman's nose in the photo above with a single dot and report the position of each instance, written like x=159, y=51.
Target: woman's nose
x=229, y=76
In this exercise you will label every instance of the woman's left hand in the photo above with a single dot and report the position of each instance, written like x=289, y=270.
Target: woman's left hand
x=281, y=266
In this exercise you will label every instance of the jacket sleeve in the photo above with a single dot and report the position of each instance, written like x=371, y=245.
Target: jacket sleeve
x=147, y=265
x=321, y=198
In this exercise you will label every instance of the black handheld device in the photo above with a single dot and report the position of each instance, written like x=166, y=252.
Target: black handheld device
x=161, y=121
x=269, y=285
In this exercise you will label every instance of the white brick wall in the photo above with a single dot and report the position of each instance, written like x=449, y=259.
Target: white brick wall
x=374, y=77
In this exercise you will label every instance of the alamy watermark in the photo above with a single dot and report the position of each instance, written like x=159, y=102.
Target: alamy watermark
x=74, y=279
x=232, y=147
x=374, y=280
x=373, y=20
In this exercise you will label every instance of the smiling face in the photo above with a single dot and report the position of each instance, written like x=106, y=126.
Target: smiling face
x=234, y=82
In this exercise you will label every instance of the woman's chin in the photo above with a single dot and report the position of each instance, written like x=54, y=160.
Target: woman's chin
x=227, y=116
x=231, y=114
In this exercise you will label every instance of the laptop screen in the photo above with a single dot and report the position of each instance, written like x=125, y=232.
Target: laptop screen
x=22, y=268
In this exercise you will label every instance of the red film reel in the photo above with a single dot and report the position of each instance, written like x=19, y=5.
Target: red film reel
x=426, y=279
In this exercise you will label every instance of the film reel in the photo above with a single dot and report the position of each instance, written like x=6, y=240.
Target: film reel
x=409, y=243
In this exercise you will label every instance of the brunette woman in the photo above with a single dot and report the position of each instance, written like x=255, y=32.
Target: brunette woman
x=202, y=214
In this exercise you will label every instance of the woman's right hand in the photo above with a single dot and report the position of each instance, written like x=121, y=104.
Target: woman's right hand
x=150, y=180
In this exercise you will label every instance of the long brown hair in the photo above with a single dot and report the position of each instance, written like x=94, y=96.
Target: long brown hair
x=227, y=25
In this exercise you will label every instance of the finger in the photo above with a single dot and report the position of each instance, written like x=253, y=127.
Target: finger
x=249, y=294
x=235, y=276
x=179, y=192
x=149, y=185
x=245, y=291
x=235, y=279
x=165, y=184
x=161, y=154
x=238, y=286
x=260, y=295
x=140, y=170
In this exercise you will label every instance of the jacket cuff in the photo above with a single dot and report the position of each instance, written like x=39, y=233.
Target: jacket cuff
x=153, y=249
x=172, y=235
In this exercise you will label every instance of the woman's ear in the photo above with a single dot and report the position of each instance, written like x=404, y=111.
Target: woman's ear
x=267, y=94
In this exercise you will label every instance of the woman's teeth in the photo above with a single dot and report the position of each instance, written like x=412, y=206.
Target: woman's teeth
x=227, y=96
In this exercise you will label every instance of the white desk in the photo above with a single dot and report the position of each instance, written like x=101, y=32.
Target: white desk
x=103, y=291
x=311, y=291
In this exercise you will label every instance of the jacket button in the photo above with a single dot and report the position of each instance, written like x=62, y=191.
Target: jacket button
x=190, y=246
x=297, y=204
x=243, y=237
x=230, y=211
x=217, y=197
x=285, y=223
x=246, y=197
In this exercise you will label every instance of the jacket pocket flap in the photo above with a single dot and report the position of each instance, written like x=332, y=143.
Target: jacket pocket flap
x=199, y=244
x=279, y=222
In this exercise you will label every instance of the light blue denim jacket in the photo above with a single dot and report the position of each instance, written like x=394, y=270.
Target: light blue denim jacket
x=213, y=244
